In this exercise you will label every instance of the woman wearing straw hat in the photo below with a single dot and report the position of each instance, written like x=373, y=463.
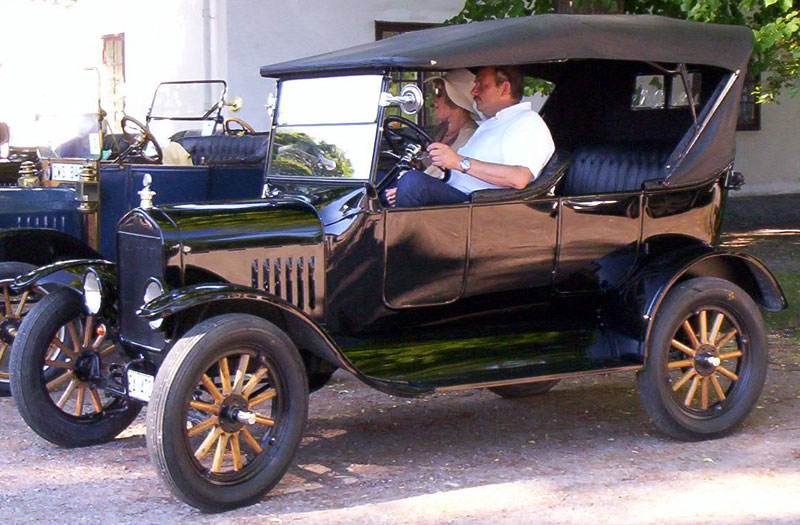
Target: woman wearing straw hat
x=453, y=104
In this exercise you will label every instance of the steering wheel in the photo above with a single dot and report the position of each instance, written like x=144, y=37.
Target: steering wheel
x=245, y=128
x=399, y=141
x=137, y=135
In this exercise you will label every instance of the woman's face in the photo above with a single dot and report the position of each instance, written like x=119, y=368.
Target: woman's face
x=443, y=111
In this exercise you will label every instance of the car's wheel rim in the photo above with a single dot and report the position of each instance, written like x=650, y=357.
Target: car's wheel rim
x=705, y=362
x=233, y=416
x=82, y=350
x=13, y=308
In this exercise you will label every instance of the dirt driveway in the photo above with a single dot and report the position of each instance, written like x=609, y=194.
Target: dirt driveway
x=584, y=453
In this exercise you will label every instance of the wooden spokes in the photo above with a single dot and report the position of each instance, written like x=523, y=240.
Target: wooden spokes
x=234, y=383
x=13, y=308
x=78, y=337
x=704, y=360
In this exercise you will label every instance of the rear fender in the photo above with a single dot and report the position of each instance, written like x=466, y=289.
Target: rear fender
x=231, y=298
x=631, y=310
x=67, y=273
x=39, y=247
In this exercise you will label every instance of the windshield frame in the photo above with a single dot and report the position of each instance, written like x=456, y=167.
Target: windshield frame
x=327, y=180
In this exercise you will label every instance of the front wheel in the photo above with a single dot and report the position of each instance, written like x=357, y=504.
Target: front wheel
x=229, y=407
x=706, y=362
x=62, y=358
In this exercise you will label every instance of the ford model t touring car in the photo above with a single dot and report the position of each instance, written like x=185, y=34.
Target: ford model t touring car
x=223, y=316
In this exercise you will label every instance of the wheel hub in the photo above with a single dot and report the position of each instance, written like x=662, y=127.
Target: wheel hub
x=8, y=329
x=706, y=360
x=86, y=365
x=229, y=410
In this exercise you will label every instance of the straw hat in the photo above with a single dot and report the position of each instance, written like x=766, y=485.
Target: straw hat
x=458, y=84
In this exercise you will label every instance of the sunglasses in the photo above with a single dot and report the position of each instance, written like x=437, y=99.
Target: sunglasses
x=438, y=91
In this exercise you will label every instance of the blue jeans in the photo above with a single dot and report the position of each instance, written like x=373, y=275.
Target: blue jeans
x=415, y=188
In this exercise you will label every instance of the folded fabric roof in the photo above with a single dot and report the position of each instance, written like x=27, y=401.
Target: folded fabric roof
x=540, y=38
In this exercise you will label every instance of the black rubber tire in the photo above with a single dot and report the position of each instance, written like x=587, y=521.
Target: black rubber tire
x=525, y=389
x=9, y=270
x=669, y=415
x=191, y=356
x=28, y=381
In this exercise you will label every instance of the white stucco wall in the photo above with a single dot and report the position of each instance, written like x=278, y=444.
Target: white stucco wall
x=770, y=158
x=267, y=31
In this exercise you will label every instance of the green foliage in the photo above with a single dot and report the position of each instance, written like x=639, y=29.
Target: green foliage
x=775, y=25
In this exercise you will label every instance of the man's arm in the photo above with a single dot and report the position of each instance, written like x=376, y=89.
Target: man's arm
x=445, y=157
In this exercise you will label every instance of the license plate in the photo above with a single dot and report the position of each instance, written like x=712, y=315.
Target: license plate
x=140, y=385
x=65, y=172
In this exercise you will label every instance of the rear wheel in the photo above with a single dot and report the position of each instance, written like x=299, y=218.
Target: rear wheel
x=228, y=410
x=525, y=389
x=60, y=356
x=706, y=362
x=13, y=307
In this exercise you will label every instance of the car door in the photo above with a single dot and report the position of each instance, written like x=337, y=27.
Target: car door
x=425, y=255
x=512, y=248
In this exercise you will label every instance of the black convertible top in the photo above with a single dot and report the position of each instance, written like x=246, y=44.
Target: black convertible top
x=539, y=38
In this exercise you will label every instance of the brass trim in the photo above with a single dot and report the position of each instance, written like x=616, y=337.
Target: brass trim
x=525, y=380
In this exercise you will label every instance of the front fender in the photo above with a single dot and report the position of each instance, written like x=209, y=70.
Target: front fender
x=66, y=273
x=301, y=328
x=631, y=309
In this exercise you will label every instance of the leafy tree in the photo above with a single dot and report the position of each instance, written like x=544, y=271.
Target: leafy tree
x=775, y=25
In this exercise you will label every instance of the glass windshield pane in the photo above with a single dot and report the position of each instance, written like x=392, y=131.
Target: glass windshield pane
x=341, y=151
x=186, y=100
x=332, y=100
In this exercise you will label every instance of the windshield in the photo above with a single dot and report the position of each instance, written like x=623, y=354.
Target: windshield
x=178, y=106
x=326, y=127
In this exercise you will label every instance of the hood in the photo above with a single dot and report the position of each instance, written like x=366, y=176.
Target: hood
x=241, y=225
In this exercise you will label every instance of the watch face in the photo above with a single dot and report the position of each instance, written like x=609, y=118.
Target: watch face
x=465, y=164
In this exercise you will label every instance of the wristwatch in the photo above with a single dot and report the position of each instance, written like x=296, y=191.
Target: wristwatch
x=466, y=164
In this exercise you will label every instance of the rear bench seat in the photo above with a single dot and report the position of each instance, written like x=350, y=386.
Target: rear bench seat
x=614, y=168
x=214, y=150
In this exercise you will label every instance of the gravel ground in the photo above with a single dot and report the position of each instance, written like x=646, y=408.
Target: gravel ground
x=585, y=452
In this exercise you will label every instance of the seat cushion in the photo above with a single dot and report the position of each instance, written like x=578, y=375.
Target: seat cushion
x=225, y=149
x=614, y=168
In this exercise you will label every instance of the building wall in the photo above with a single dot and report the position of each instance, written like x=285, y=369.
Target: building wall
x=266, y=31
x=770, y=158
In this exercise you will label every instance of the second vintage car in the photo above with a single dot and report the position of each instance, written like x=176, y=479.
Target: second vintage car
x=222, y=316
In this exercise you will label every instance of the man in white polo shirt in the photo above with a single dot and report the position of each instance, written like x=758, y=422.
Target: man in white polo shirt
x=508, y=150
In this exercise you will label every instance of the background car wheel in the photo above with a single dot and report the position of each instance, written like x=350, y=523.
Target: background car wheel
x=55, y=351
x=13, y=307
x=706, y=362
x=524, y=390
x=229, y=407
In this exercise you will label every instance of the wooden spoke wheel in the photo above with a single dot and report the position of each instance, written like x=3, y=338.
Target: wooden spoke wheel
x=707, y=360
x=228, y=410
x=13, y=307
x=61, y=357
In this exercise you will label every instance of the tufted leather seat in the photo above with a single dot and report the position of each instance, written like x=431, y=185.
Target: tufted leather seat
x=225, y=149
x=614, y=168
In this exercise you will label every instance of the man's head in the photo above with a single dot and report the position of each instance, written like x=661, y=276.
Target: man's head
x=496, y=88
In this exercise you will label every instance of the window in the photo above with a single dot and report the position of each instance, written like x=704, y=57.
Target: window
x=114, y=77
x=750, y=112
x=387, y=29
x=653, y=91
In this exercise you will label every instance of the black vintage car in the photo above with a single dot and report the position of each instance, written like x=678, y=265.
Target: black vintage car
x=75, y=192
x=224, y=316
